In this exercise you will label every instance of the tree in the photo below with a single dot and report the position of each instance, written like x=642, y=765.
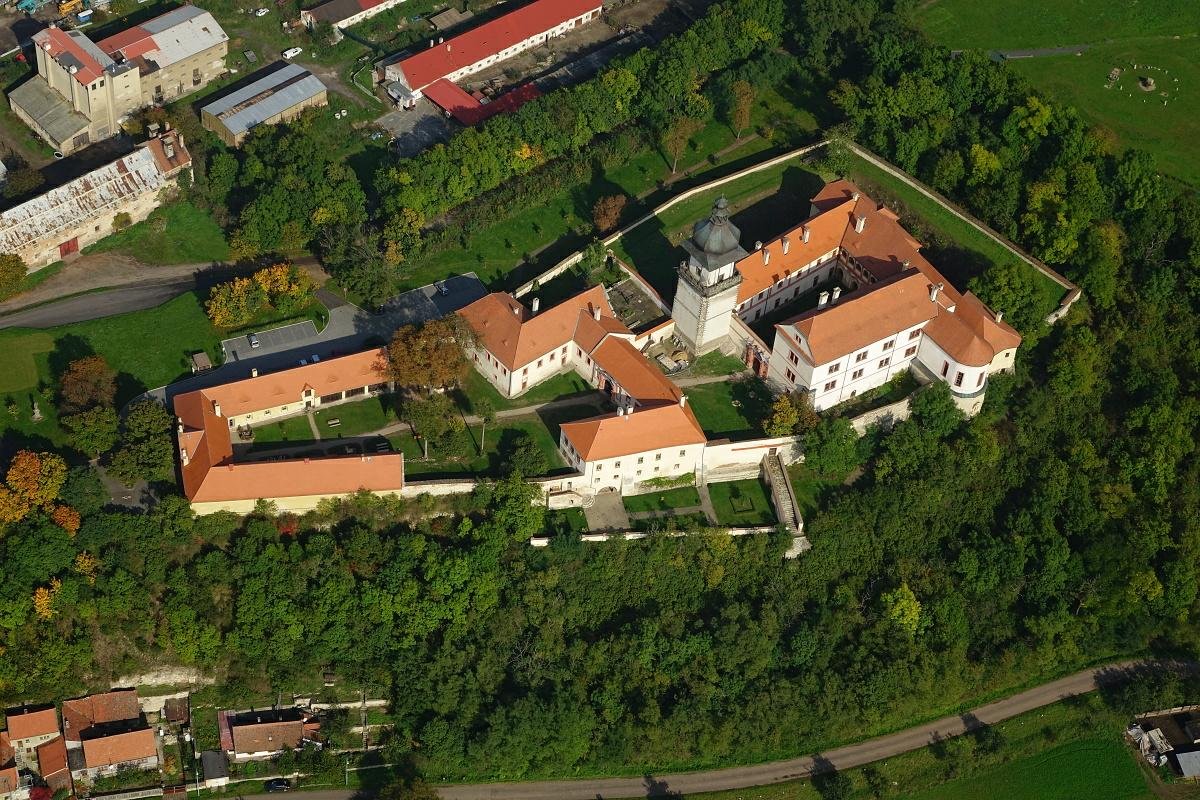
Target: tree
x=784, y=417
x=235, y=302
x=520, y=456
x=739, y=104
x=432, y=417
x=606, y=213
x=676, y=137
x=430, y=355
x=93, y=431
x=146, y=451
x=12, y=274
x=408, y=790
x=1009, y=287
x=902, y=609
x=121, y=221
x=88, y=382
x=830, y=449
x=487, y=415
x=934, y=410
x=22, y=182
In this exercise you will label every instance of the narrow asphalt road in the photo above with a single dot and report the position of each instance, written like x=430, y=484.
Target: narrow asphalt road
x=94, y=305
x=854, y=755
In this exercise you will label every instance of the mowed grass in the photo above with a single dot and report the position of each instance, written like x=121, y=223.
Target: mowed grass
x=178, y=233
x=669, y=500
x=1139, y=119
x=1037, y=23
x=965, y=252
x=461, y=455
x=18, y=365
x=476, y=388
x=732, y=409
x=741, y=503
x=357, y=418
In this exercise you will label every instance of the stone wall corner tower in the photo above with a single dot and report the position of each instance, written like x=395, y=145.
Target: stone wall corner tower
x=706, y=295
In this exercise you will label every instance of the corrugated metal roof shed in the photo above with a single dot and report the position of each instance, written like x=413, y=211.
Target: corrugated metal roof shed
x=280, y=91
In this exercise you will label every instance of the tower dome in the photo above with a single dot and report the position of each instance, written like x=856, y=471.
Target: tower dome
x=716, y=235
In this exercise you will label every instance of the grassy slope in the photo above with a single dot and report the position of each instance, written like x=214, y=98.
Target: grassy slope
x=189, y=235
x=1163, y=34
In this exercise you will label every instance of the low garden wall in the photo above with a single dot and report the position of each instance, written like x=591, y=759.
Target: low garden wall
x=887, y=416
x=724, y=457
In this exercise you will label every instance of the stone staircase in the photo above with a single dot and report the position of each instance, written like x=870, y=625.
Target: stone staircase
x=784, y=498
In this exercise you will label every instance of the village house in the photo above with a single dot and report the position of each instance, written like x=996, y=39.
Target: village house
x=106, y=733
x=342, y=14
x=84, y=90
x=57, y=224
x=258, y=735
x=53, y=765
x=434, y=71
x=652, y=433
x=13, y=785
x=886, y=309
x=28, y=728
x=214, y=479
x=278, y=97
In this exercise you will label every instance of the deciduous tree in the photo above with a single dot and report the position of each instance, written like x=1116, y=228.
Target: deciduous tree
x=606, y=213
x=94, y=431
x=88, y=383
x=676, y=136
x=12, y=274
x=739, y=104
x=430, y=355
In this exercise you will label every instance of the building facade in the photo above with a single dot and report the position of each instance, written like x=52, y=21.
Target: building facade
x=59, y=223
x=278, y=97
x=83, y=90
x=29, y=727
x=343, y=14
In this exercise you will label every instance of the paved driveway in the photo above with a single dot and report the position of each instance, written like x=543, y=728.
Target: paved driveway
x=607, y=513
x=416, y=129
x=350, y=330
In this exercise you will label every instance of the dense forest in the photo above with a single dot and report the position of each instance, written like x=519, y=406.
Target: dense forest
x=1059, y=527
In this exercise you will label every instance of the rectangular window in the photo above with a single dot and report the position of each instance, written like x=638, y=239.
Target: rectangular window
x=525, y=371
x=791, y=376
x=682, y=453
x=552, y=355
x=909, y=352
x=945, y=368
x=980, y=381
x=564, y=350
x=640, y=460
x=578, y=353
x=861, y=357
x=914, y=334
x=831, y=386
x=658, y=456
x=888, y=345
x=884, y=362
x=599, y=466
x=539, y=362
x=856, y=374
x=792, y=357
x=958, y=379
x=834, y=368
x=616, y=464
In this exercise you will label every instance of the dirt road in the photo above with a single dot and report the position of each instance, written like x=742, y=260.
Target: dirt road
x=854, y=755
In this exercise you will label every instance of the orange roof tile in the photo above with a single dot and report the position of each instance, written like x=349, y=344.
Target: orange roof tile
x=951, y=333
x=654, y=428
x=590, y=332
x=120, y=748
x=643, y=381
x=6, y=748
x=27, y=722
x=867, y=315
x=9, y=780
x=82, y=713
x=825, y=236
x=211, y=475
x=999, y=334
x=267, y=736
x=506, y=330
x=52, y=756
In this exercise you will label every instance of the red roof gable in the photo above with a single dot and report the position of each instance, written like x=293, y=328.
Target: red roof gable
x=490, y=38
x=131, y=43
x=60, y=42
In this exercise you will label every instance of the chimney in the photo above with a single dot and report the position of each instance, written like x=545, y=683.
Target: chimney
x=596, y=313
x=178, y=425
x=431, y=43
x=758, y=245
x=907, y=263
x=805, y=232
x=933, y=291
x=999, y=316
x=620, y=411
x=535, y=305
x=183, y=456
x=766, y=256
x=254, y=372
x=169, y=150
x=854, y=196
x=860, y=222
x=823, y=300
x=441, y=39
x=837, y=292
x=216, y=408
x=787, y=243
x=516, y=311
x=682, y=400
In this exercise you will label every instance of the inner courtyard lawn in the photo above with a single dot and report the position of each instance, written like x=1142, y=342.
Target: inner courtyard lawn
x=733, y=409
x=357, y=418
x=741, y=503
x=669, y=500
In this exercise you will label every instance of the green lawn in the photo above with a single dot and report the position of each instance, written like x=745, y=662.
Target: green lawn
x=293, y=430
x=715, y=363
x=732, y=409
x=461, y=456
x=476, y=388
x=671, y=499
x=811, y=489
x=147, y=348
x=956, y=248
x=741, y=503
x=178, y=233
x=363, y=416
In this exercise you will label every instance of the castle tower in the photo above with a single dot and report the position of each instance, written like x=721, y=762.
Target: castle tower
x=706, y=294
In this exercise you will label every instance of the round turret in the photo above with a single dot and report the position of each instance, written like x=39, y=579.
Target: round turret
x=716, y=235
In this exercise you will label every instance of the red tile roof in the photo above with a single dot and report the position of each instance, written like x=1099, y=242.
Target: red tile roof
x=490, y=38
x=52, y=757
x=614, y=435
x=6, y=748
x=212, y=475
x=9, y=780
x=267, y=737
x=514, y=338
x=120, y=748
x=56, y=41
x=82, y=713
x=131, y=42
x=467, y=110
x=27, y=722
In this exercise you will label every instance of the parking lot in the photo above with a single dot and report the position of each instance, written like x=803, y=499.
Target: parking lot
x=276, y=340
x=415, y=129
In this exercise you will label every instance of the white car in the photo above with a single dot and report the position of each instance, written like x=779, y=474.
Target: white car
x=292, y=52
x=262, y=12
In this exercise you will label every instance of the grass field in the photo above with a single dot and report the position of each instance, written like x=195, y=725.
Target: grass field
x=741, y=503
x=355, y=419
x=178, y=233
x=476, y=388
x=294, y=430
x=461, y=456
x=731, y=409
x=1161, y=36
x=958, y=250
x=671, y=499
x=1067, y=751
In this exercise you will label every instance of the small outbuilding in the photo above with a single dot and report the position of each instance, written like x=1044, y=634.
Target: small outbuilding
x=215, y=768
x=279, y=96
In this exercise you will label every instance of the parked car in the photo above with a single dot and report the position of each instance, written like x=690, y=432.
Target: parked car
x=292, y=52
x=278, y=785
x=253, y=340
x=262, y=12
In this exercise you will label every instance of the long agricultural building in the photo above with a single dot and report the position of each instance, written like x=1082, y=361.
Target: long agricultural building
x=57, y=224
x=449, y=61
x=280, y=96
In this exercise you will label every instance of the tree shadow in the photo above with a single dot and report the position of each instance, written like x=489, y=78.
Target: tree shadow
x=71, y=347
x=652, y=253
x=828, y=781
x=657, y=788
x=959, y=264
x=128, y=387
